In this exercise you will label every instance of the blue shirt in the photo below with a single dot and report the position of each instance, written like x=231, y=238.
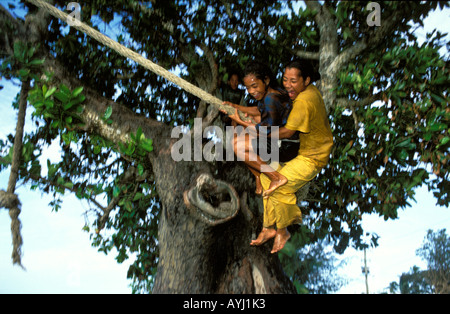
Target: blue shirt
x=274, y=109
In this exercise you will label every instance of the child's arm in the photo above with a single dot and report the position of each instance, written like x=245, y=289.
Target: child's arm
x=253, y=111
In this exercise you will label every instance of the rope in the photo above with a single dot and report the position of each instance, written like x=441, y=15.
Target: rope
x=128, y=53
x=8, y=199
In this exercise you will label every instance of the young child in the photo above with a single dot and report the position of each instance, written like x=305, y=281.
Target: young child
x=273, y=107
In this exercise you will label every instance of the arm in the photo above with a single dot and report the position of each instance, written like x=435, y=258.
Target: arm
x=283, y=132
x=253, y=111
x=235, y=117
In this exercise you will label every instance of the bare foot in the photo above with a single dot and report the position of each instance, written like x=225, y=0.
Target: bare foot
x=282, y=236
x=265, y=235
x=274, y=184
x=259, y=188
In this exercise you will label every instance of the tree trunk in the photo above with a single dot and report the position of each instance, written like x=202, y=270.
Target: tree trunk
x=203, y=253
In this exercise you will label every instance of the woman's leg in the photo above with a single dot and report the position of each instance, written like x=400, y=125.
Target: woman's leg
x=298, y=171
x=281, y=237
x=268, y=231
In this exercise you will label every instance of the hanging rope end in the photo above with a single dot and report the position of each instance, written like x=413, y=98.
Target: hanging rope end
x=11, y=201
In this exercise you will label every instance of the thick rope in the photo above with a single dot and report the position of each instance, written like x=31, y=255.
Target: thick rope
x=8, y=199
x=128, y=53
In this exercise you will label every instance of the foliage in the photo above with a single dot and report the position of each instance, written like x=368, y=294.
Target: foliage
x=312, y=268
x=383, y=150
x=435, y=250
x=413, y=282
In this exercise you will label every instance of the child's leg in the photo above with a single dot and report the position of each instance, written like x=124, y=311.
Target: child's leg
x=244, y=150
x=275, y=184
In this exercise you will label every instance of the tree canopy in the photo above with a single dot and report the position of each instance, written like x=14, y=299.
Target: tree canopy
x=435, y=279
x=386, y=94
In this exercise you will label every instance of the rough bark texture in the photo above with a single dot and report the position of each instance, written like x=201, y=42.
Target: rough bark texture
x=198, y=256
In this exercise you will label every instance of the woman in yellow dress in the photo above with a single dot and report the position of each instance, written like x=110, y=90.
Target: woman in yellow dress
x=309, y=117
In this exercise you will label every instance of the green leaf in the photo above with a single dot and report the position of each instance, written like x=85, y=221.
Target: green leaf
x=44, y=89
x=19, y=50
x=438, y=127
x=49, y=92
x=128, y=206
x=348, y=146
x=108, y=113
x=61, y=97
x=444, y=140
x=116, y=191
x=51, y=169
x=405, y=143
x=68, y=105
x=140, y=169
x=77, y=91
x=36, y=62
x=438, y=98
x=138, y=196
x=139, y=135
x=65, y=89
x=97, y=150
x=147, y=145
x=69, y=120
x=24, y=72
x=68, y=185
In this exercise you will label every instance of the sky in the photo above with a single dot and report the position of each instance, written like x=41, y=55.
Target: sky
x=59, y=258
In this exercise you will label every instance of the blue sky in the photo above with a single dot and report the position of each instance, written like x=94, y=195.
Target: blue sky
x=58, y=256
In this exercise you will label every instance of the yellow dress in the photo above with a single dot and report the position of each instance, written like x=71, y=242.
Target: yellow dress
x=308, y=116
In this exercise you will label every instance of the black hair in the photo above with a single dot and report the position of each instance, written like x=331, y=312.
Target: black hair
x=261, y=72
x=306, y=69
x=236, y=72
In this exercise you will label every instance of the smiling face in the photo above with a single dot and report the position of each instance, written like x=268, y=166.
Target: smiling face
x=256, y=87
x=293, y=82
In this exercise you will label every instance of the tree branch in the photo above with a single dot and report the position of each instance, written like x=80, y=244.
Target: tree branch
x=369, y=41
x=353, y=104
x=306, y=54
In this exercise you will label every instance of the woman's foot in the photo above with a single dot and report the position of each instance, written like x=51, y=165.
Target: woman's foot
x=265, y=235
x=281, y=237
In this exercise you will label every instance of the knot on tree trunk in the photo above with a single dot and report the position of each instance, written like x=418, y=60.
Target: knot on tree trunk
x=213, y=201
